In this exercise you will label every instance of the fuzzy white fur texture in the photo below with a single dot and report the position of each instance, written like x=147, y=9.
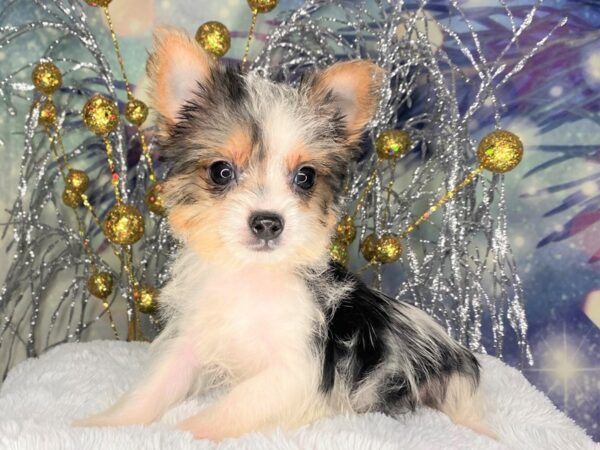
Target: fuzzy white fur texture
x=41, y=397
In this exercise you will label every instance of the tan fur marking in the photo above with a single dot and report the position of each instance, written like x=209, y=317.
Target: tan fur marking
x=301, y=155
x=198, y=226
x=238, y=148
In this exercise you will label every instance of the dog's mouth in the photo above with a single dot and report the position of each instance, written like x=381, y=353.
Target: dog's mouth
x=263, y=245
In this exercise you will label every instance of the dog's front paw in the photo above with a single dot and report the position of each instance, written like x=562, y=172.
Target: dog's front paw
x=200, y=429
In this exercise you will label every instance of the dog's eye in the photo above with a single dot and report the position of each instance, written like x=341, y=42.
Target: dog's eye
x=305, y=178
x=222, y=173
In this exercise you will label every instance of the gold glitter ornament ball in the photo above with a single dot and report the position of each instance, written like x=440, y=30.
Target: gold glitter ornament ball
x=77, y=180
x=100, y=3
x=388, y=249
x=146, y=300
x=48, y=114
x=262, y=6
x=46, y=78
x=368, y=247
x=392, y=144
x=71, y=198
x=500, y=151
x=214, y=37
x=136, y=112
x=345, y=230
x=124, y=225
x=100, y=285
x=338, y=250
x=100, y=115
x=154, y=199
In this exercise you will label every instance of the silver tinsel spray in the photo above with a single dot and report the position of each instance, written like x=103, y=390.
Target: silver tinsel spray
x=458, y=267
x=44, y=300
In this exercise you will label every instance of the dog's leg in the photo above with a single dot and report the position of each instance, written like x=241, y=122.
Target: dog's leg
x=275, y=396
x=173, y=372
x=463, y=405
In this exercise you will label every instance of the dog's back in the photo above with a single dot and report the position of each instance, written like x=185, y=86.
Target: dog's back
x=386, y=355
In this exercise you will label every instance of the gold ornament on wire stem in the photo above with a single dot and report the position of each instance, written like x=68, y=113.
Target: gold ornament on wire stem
x=46, y=78
x=100, y=115
x=257, y=7
x=124, y=225
x=345, y=230
x=392, y=144
x=500, y=151
x=368, y=247
x=154, y=199
x=48, y=114
x=146, y=299
x=338, y=250
x=100, y=284
x=214, y=37
x=136, y=112
x=388, y=249
x=262, y=6
x=77, y=180
x=71, y=198
x=98, y=3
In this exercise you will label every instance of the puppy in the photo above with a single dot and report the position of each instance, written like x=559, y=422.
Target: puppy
x=255, y=305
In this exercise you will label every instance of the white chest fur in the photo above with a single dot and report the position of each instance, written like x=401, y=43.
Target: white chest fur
x=242, y=320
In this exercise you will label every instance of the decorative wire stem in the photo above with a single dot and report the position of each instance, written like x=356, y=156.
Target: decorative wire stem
x=115, y=41
x=250, y=37
x=132, y=317
x=55, y=140
x=130, y=96
x=365, y=191
x=114, y=175
x=467, y=180
x=147, y=156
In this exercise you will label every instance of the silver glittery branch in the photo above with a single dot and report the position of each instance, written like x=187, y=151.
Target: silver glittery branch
x=44, y=300
x=459, y=267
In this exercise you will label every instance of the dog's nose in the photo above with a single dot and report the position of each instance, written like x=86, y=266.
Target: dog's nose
x=266, y=225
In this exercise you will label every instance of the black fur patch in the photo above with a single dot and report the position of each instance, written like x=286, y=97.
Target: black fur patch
x=368, y=332
x=354, y=332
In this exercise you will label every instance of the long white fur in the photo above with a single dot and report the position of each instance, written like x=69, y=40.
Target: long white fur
x=232, y=327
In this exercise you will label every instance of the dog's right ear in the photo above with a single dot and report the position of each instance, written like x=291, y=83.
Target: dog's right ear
x=353, y=89
x=176, y=66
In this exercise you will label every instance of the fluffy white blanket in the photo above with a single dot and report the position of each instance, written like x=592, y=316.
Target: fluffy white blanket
x=41, y=397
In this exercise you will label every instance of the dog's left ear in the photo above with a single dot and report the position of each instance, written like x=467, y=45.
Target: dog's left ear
x=353, y=87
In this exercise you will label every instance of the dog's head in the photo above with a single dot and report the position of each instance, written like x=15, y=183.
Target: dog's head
x=257, y=168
